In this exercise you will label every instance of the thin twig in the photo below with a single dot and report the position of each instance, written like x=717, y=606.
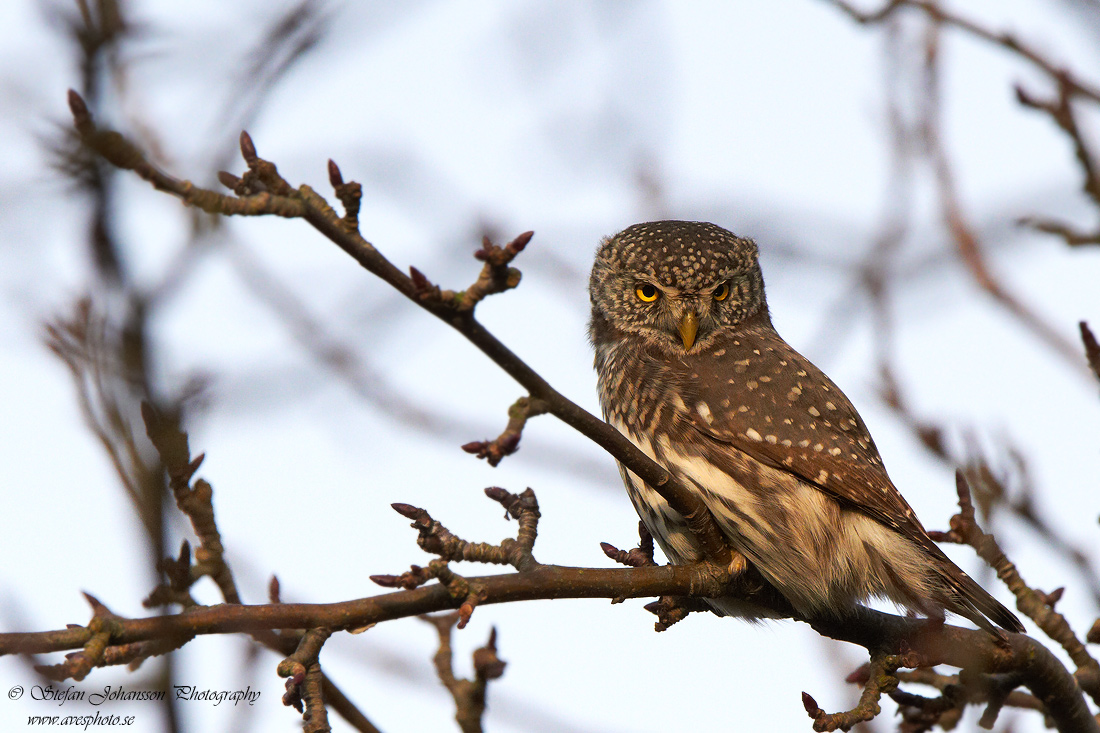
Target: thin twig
x=468, y=695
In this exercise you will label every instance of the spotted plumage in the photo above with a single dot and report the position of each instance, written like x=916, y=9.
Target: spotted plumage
x=692, y=371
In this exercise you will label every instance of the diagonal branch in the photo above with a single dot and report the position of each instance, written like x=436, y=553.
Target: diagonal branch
x=1038, y=606
x=967, y=241
x=263, y=192
x=1005, y=40
x=507, y=442
x=1092, y=348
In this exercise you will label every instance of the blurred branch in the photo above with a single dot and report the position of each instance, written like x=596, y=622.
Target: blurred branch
x=874, y=273
x=1023, y=505
x=991, y=486
x=305, y=682
x=879, y=282
x=469, y=695
x=196, y=502
x=97, y=357
x=1092, y=348
x=1039, y=607
x=936, y=13
x=286, y=43
x=341, y=358
x=1061, y=112
x=314, y=333
x=966, y=239
x=98, y=31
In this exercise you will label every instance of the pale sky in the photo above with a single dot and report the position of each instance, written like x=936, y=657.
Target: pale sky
x=767, y=118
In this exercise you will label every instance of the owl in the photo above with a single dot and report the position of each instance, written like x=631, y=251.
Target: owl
x=691, y=370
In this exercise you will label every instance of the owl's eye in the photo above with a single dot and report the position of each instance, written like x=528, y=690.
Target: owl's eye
x=646, y=292
x=722, y=292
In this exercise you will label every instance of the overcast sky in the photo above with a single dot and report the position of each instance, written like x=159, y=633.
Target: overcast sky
x=574, y=120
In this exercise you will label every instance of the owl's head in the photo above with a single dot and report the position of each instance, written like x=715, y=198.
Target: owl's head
x=681, y=285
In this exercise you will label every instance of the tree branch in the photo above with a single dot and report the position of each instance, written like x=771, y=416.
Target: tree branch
x=972, y=649
x=262, y=191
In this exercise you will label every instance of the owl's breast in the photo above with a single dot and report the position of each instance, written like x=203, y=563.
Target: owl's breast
x=643, y=391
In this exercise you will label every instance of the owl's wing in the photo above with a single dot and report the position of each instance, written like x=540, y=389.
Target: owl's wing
x=771, y=403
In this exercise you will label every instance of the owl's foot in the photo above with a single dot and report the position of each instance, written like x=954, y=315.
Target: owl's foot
x=713, y=580
x=738, y=564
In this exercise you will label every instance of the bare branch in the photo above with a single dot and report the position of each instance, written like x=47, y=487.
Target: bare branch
x=881, y=678
x=265, y=192
x=1006, y=40
x=196, y=502
x=507, y=442
x=304, y=684
x=1038, y=606
x=469, y=695
x=966, y=238
x=261, y=190
x=639, y=557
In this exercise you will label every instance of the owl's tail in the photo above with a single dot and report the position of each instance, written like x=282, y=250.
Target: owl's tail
x=970, y=600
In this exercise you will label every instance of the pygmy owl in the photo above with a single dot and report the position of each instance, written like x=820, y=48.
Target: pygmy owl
x=693, y=373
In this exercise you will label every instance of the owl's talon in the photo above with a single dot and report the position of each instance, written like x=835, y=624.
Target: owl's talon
x=738, y=564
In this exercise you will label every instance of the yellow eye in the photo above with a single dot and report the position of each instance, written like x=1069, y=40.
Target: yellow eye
x=722, y=291
x=646, y=292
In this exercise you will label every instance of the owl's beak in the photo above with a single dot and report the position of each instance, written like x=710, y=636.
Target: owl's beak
x=689, y=326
